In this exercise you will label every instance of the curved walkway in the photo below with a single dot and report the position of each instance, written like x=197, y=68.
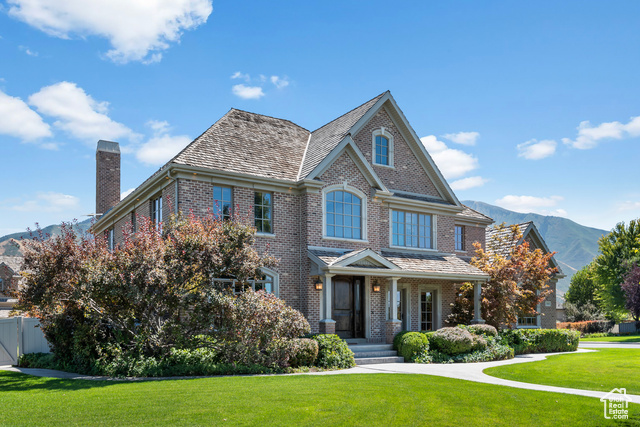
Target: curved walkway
x=462, y=371
x=603, y=344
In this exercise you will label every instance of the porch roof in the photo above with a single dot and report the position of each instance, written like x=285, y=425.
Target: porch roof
x=394, y=263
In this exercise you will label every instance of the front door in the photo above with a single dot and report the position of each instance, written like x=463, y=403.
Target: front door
x=347, y=306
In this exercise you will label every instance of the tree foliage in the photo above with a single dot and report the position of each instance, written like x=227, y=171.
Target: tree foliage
x=517, y=282
x=152, y=293
x=583, y=288
x=618, y=250
x=631, y=289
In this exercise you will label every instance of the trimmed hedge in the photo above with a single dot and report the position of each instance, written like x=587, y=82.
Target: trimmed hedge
x=483, y=330
x=304, y=352
x=526, y=341
x=588, y=327
x=333, y=353
x=452, y=341
x=412, y=344
x=397, y=339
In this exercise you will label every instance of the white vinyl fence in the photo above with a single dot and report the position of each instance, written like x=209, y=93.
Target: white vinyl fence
x=18, y=336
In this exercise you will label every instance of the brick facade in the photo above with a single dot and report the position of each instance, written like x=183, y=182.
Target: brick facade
x=107, y=176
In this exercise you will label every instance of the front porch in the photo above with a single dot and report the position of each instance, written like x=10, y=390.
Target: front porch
x=370, y=296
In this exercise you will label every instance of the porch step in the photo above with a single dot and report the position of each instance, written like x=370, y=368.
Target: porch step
x=369, y=354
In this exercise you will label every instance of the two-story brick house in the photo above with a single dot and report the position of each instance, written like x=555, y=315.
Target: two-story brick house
x=371, y=238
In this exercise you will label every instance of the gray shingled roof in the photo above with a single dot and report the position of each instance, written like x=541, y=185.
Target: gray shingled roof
x=326, y=138
x=441, y=264
x=501, y=241
x=470, y=213
x=249, y=143
x=13, y=262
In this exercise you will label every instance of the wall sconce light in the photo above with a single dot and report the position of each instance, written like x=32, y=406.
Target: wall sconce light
x=376, y=286
x=318, y=284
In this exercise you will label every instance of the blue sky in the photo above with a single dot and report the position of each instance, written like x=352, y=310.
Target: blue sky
x=532, y=106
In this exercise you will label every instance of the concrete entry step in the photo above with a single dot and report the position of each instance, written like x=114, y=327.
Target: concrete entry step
x=378, y=360
x=365, y=354
x=370, y=347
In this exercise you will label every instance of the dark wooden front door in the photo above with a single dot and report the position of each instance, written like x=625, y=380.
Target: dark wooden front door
x=347, y=306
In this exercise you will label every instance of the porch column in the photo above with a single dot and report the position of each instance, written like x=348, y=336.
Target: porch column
x=477, y=305
x=327, y=324
x=393, y=324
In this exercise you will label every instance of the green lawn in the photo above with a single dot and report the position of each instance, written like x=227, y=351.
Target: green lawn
x=602, y=370
x=624, y=338
x=365, y=399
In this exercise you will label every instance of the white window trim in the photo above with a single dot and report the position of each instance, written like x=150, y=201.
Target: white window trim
x=538, y=324
x=437, y=305
x=434, y=232
x=382, y=132
x=400, y=287
x=276, y=279
x=344, y=187
x=213, y=199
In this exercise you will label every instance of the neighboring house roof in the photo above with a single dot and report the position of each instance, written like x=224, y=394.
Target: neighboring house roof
x=324, y=139
x=13, y=262
x=438, y=264
x=467, y=212
x=501, y=241
x=249, y=143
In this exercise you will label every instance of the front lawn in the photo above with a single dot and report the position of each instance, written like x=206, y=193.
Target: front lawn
x=365, y=399
x=623, y=338
x=601, y=370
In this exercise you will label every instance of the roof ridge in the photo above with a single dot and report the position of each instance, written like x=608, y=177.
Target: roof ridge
x=342, y=115
x=270, y=117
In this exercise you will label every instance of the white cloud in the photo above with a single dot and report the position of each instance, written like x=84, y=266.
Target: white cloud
x=532, y=204
x=452, y=163
x=280, y=82
x=536, y=150
x=467, y=183
x=628, y=206
x=463, y=138
x=240, y=75
x=162, y=146
x=247, y=92
x=589, y=136
x=17, y=119
x=126, y=193
x=78, y=113
x=48, y=202
x=138, y=30
x=28, y=51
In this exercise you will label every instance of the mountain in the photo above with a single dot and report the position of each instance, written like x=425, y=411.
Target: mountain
x=10, y=245
x=575, y=244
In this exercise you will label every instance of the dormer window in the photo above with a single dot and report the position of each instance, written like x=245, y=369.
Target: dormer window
x=382, y=147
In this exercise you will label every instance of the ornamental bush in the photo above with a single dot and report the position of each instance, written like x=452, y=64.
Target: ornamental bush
x=452, y=341
x=483, y=330
x=304, y=352
x=588, y=327
x=526, y=341
x=412, y=344
x=333, y=353
x=397, y=339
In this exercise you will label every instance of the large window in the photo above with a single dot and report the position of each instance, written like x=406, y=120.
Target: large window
x=411, y=230
x=459, y=237
x=263, y=212
x=528, y=321
x=156, y=213
x=343, y=215
x=222, y=202
x=426, y=311
x=267, y=282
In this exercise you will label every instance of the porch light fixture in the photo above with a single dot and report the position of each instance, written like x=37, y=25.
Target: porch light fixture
x=318, y=284
x=376, y=286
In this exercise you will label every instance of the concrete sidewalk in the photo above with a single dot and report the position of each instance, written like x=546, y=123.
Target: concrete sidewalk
x=462, y=371
x=603, y=344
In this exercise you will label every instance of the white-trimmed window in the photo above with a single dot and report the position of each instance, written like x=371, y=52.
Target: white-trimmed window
x=222, y=202
x=263, y=212
x=427, y=311
x=344, y=212
x=412, y=230
x=459, y=237
x=382, y=153
x=268, y=282
x=156, y=213
x=1, y=284
x=111, y=244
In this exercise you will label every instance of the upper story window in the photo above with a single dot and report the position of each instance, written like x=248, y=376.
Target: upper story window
x=412, y=230
x=1, y=284
x=459, y=237
x=382, y=147
x=343, y=215
x=111, y=244
x=134, y=222
x=263, y=212
x=156, y=213
x=222, y=202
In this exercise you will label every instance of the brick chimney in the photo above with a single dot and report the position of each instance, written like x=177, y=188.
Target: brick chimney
x=107, y=176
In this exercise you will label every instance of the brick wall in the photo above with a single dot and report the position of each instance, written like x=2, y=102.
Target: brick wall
x=8, y=279
x=407, y=174
x=549, y=314
x=107, y=180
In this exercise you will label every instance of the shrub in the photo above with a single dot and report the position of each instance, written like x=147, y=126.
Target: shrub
x=397, y=339
x=412, y=344
x=479, y=343
x=304, y=352
x=452, y=341
x=588, y=327
x=526, y=341
x=333, y=353
x=483, y=330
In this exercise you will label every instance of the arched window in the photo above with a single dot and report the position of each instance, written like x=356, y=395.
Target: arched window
x=343, y=215
x=382, y=141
